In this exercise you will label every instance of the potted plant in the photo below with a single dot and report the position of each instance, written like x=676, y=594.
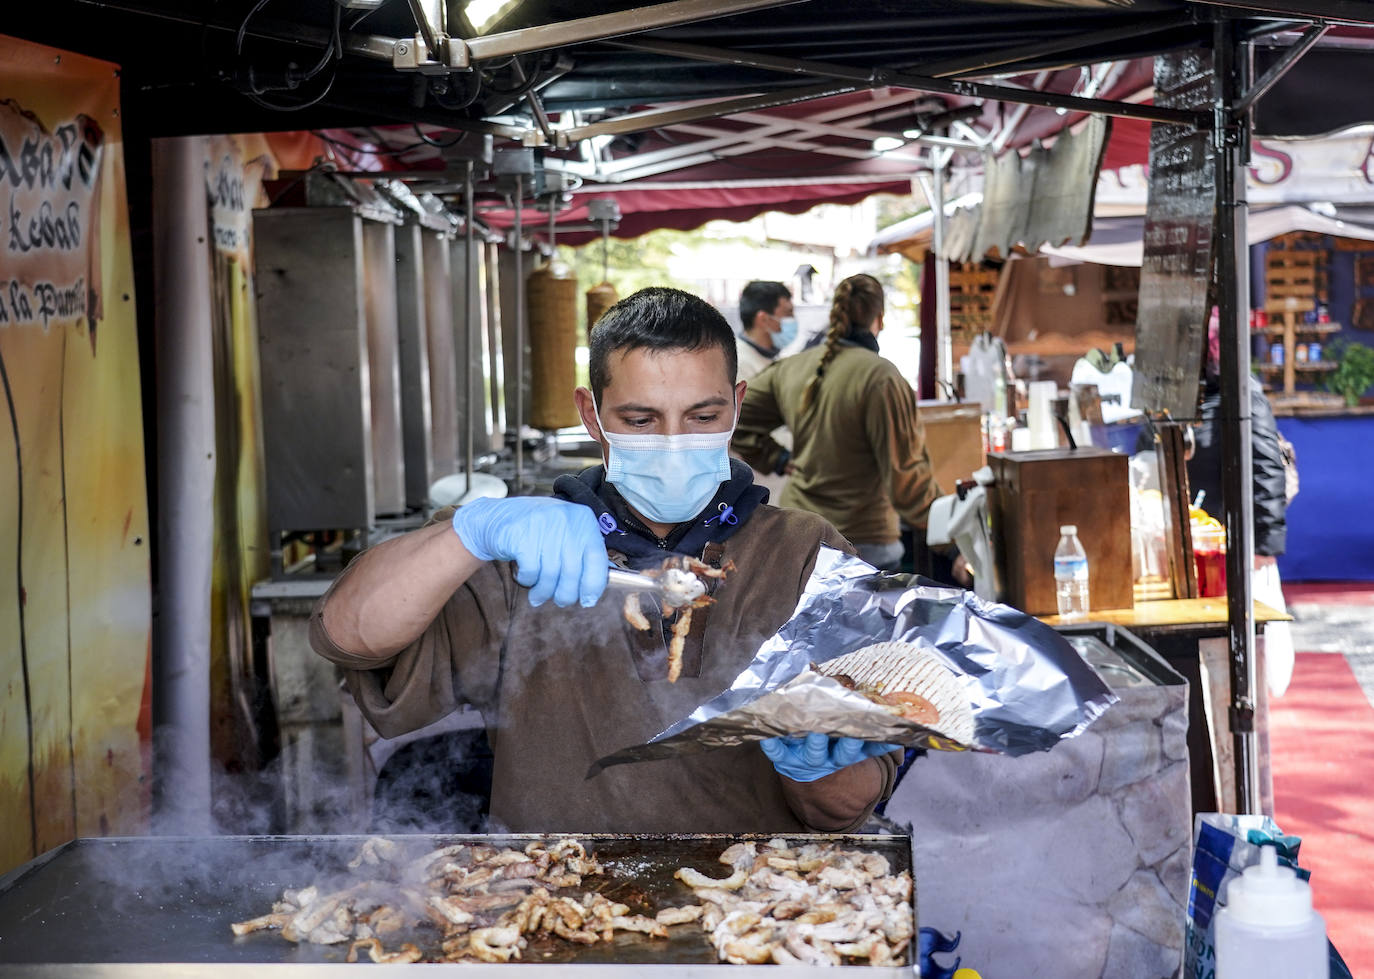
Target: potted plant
x=1354, y=371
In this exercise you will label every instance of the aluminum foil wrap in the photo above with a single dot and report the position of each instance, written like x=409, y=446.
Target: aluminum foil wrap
x=1027, y=687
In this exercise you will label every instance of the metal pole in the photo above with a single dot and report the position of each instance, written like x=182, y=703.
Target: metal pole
x=934, y=188
x=551, y=437
x=186, y=478
x=520, y=334
x=469, y=324
x=495, y=364
x=945, y=365
x=600, y=26
x=1337, y=11
x=1229, y=147
x=881, y=77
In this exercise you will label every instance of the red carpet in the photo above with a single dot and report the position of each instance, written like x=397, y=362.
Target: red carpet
x=1322, y=746
x=1329, y=592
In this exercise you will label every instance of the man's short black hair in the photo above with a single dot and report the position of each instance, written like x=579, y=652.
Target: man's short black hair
x=760, y=297
x=658, y=318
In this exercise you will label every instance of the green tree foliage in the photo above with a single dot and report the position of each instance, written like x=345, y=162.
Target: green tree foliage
x=892, y=209
x=631, y=265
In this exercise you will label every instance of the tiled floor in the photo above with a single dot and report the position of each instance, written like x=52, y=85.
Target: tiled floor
x=1336, y=619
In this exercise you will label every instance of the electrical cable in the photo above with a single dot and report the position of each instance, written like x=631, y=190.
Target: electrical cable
x=519, y=90
x=352, y=24
x=430, y=141
x=295, y=107
x=333, y=53
x=243, y=27
x=378, y=151
x=472, y=83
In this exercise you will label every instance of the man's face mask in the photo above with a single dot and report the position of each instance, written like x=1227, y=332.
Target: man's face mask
x=667, y=478
x=787, y=333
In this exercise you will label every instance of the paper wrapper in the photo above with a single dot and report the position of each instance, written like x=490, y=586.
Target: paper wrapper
x=1027, y=687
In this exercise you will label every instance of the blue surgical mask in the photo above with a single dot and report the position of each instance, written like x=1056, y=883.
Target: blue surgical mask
x=667, y=478
x=787, y=333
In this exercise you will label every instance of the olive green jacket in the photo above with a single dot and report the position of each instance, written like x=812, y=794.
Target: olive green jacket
x=859, y=452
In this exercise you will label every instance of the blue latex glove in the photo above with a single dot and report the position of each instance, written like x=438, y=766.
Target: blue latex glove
x=818, y=755
x=557, y=547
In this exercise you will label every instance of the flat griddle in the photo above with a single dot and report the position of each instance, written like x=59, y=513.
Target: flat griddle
x=162, y=906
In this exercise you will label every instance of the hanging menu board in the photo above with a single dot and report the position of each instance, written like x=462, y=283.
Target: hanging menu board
x=1171, y=322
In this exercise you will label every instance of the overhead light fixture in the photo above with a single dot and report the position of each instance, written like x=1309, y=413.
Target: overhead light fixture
x=483, y=13
x=884, y=143
x=913, y=133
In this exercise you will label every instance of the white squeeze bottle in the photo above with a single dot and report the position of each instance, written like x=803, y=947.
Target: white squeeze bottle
x=1268, y=930
x=1071, y=574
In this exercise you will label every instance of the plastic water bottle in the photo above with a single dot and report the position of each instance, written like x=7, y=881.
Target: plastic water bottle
x=1268, y=930
x=1071, y=574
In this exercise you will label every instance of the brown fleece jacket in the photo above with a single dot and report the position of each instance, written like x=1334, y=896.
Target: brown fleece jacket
x=560, y=688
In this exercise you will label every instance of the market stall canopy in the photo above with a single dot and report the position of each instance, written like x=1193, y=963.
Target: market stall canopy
x=1120, y=240
x=713, y=107
x=1330, y=179
x=1117, y=239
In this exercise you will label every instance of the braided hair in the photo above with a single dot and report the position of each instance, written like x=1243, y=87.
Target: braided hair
x=857, y=303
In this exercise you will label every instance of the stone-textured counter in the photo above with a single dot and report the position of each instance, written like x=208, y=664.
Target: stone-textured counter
x=1066, y=864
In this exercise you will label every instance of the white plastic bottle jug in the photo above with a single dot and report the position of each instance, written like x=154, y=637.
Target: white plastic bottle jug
x=1268, y=930
x=1071, y=574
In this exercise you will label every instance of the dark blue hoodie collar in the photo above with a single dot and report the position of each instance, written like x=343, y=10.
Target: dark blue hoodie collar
x=732, y=505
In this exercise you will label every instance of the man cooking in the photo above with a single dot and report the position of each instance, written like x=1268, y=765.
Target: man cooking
x=460, y=612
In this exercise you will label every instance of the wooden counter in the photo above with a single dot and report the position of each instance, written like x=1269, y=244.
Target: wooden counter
x=1172, y=615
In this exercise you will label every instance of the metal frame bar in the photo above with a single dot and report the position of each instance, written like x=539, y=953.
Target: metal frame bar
x=425, y=28
x=1358, y=12
x=1003, y=136
x=844, y=178
x=471, y=323
x=1010, y=56
x=1230, y=145
x=722, y=143
x=862, y=134
x=634, y=122
x=880, y=77
x=1279, y=68
x=754, y=140
x=374, y=46
x=518, y=245
x=601, y=26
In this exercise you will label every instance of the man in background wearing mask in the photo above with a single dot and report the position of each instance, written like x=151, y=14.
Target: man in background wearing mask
x=765, y=311
x=458, y=612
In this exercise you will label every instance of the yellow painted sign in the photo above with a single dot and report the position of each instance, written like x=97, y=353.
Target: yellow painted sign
x=74, y=578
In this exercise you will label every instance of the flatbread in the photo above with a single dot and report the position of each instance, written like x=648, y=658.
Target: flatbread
x=912, y=682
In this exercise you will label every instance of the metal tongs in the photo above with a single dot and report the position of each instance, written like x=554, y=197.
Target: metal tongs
x=674, y=587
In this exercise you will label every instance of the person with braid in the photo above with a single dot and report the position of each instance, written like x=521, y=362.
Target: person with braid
x=859, y=454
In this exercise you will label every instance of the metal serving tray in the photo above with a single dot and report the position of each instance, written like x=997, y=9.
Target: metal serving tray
x=162, y=906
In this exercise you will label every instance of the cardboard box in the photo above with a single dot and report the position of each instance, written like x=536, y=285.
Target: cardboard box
x=954, y=439
x=1037, y=492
